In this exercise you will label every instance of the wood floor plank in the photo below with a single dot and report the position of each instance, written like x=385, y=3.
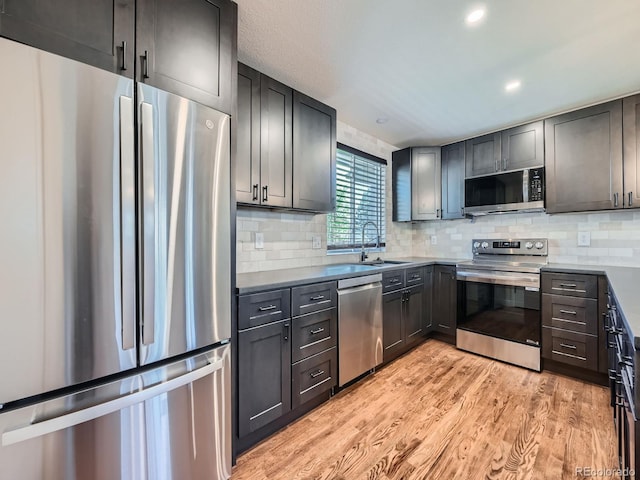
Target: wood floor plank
x=440, y=413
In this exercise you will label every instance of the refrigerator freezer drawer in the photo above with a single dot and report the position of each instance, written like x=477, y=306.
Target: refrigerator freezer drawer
x=172, y=422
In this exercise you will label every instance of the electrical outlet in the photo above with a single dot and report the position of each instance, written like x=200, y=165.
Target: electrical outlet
x=584, y=239
x=316, y=242
x=259, y=240
x=434, y=239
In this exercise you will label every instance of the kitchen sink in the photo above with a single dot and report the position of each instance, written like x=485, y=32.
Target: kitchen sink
x=381, y=263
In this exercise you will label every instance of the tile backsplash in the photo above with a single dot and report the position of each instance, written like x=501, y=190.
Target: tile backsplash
x=615, y=236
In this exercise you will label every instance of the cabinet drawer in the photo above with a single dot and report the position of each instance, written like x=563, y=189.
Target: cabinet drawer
x=570, y=284
x=393, y=280
x=260, y=308
x=570, y=313
x=314, y=376
x=312, y=298
x=414, y=276
x=314, y=333
x=572, y=348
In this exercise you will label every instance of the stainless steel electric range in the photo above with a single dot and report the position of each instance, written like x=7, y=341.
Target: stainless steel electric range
x=499, y=300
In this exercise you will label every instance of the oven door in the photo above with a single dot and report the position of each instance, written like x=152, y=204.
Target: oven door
x=503, y=305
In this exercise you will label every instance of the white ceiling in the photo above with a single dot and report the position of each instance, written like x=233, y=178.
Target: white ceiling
x=437, y=80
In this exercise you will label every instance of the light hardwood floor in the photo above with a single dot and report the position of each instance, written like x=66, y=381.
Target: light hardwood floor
x=440, y=413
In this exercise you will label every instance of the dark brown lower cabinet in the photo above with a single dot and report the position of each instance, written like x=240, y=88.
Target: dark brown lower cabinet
x=403, y=323
x=264, y=369
x=445, y=295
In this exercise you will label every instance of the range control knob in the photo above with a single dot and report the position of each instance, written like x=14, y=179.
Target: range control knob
x=485, y=245
x=476, y=244
x=539, y=245
x=528, y=245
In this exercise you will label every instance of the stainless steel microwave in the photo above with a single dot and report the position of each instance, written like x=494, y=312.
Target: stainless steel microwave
x=505, y=192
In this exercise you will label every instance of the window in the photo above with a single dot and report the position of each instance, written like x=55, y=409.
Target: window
x=360, y=198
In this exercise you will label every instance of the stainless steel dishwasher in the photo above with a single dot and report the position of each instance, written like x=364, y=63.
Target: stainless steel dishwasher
x=359, y=326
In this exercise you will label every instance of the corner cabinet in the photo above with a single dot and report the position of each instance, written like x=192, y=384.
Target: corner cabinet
x=416, y=184
x=286, y=146
x=188, y=48
x=98, y=33
x=631, y=123
x=314, y=154
x=453, y=165
x=583, y=151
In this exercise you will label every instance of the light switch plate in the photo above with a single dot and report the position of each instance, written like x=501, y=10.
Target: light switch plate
x=584, y=239
x=434, y=239
x=259, y=240
x=316, y=242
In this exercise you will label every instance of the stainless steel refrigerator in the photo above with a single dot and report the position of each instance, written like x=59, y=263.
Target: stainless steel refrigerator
x=115, y=303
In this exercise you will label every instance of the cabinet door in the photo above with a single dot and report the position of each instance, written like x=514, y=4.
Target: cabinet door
x=275, y=143
x=248, y=136
x=631, y=122
x=264, y=375
x=483, y=155
x=427, y=300
x=392, y=324
x=414, y=314
x=425, y=183
x=523, y=147
x=453, y=181
x=188, y=48
x=444, y=301
x=314, y=154
x=401, y=185
x=583, y=154
x=99, y=32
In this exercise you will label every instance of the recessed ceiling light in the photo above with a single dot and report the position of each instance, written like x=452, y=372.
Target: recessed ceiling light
x=475, y=16
x=382, y=120
x=512, y=86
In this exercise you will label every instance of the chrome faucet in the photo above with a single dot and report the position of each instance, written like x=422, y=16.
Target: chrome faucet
x=363, y=253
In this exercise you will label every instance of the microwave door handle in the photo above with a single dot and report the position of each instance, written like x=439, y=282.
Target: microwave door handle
x=127, y=223
x=525, y=185
x=149, y=223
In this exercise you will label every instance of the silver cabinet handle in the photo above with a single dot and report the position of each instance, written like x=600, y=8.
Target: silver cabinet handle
x=265, y=194
x=631, y=199
x=496, y=165
x=145, y=70
x=569, y=312
x=568, y=285
x=316, y=331
x=149, y=223
x=124, y=55
x=316, y=374
x=504, y=163
x=615, y=199
x=565, y=345
x=267, y=308
x=91, y=413
x=318, y=297
x=394, y=280
x=255, y=192
x=127, y=222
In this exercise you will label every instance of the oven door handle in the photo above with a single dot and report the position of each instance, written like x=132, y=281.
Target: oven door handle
x=530, y=281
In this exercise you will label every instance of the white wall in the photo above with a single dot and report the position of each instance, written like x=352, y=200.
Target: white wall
x=615, y=236
x=288, y=236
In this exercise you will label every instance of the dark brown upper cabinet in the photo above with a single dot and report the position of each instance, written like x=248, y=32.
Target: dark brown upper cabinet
x=188, y=48
x=453, y=165
x=631, y=122
x=314, y=154
x=97, y=32
x=523, y=147
x=286, y=146
x=416, y=184
x=583, y=153
x=483, y=155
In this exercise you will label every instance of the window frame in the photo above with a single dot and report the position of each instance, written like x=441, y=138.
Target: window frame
x=355, y=228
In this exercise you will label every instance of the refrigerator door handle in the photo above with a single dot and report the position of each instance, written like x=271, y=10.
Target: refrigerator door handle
x=127, y=223
x=62, y=422
x=149, y=226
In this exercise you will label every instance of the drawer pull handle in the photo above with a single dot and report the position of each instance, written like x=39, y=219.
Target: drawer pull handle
x=316, y=331
x=316, y=374
x=316, y=298
x=568, y=285
x=566, y=345
x=569, y=312
x=443, y=326
x=267, y=308
x=394, y=280
x=415, y=277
